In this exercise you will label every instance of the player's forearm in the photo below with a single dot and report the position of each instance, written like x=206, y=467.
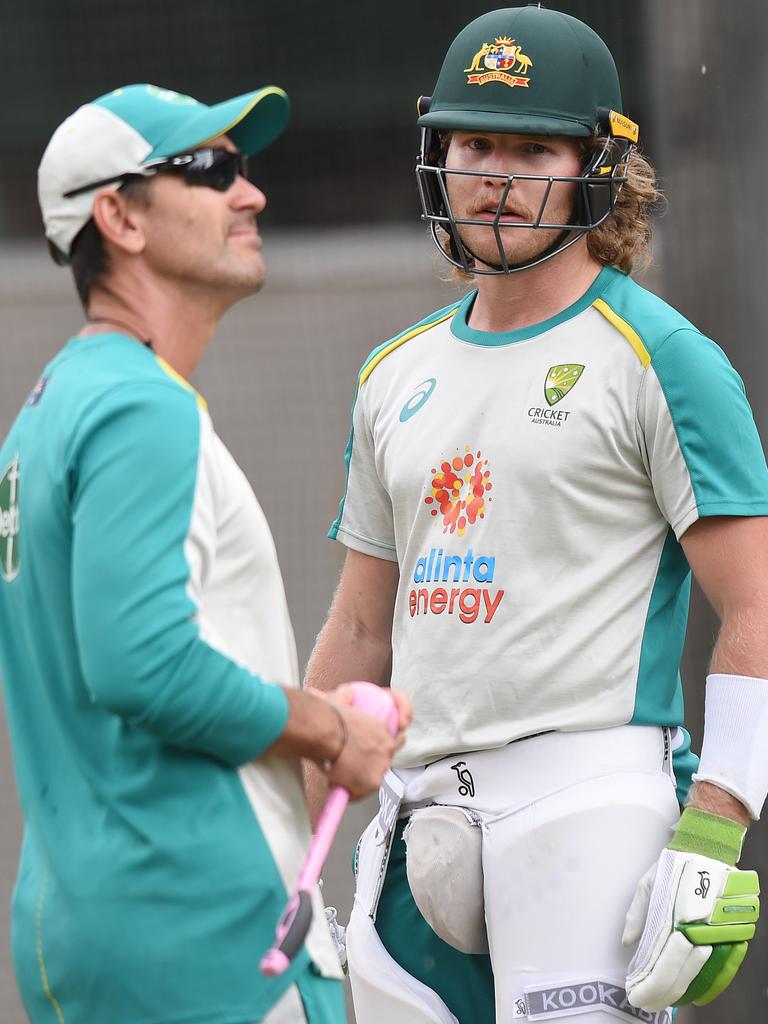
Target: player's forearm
x=742, y=645
x=741, y=651
x=345, y=651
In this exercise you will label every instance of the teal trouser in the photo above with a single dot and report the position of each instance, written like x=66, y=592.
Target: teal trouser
x=322, y=998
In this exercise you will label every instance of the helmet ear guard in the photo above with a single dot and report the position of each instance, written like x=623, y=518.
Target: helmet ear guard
x=430, y=156
x=423, y=103
x=597, y=198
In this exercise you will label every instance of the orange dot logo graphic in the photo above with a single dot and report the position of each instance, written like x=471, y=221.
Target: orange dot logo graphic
x=460, y=491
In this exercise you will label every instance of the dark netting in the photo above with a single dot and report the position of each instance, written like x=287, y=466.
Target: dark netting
x=353, y=74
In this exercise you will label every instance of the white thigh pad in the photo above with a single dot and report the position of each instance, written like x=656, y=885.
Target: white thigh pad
x=445, y=874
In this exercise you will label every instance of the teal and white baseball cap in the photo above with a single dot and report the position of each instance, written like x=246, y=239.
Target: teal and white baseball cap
x=121, y=132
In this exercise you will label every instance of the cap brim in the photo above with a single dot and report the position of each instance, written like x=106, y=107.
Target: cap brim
x=252, y=121
x=496, y=121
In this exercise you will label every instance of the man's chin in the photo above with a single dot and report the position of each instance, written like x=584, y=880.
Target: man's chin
x=527, y=251
x=253, y=283
x=236, y=284
x=251, y=274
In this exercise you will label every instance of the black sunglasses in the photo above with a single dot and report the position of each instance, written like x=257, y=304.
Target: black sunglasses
x=213, y=168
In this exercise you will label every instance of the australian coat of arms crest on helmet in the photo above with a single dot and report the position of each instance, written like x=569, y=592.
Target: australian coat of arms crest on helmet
x=505, y=62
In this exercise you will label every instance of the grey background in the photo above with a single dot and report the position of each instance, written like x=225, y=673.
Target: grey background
x=348, y=265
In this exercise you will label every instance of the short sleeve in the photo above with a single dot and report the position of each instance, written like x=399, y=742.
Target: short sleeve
x=698, y=436
x=365, y=521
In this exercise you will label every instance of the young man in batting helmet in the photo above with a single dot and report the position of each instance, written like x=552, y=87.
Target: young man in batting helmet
x=533, y=473
x=147, y=656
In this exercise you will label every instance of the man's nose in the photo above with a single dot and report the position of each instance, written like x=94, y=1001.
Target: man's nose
x=246, y=195
x=496, y=172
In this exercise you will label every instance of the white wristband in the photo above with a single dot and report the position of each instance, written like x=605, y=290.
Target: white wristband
x=734, y=753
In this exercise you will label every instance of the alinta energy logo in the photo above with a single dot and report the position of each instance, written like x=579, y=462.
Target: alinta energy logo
x=558, y=382
x=459, y=490
x=460, y=496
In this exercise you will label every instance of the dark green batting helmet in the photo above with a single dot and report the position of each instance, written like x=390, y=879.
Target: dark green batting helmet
x=526, y=71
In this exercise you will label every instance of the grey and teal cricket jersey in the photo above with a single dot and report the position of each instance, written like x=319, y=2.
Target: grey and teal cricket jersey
x=533, y=488
x=142, y=616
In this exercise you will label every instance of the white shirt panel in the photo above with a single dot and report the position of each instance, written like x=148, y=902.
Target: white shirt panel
x=538, y=621
x=242, y=611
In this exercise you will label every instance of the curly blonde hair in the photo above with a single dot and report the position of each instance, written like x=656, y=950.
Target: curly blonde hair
x=623, y=240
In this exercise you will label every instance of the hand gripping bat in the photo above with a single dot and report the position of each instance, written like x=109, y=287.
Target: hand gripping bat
x=295, y=920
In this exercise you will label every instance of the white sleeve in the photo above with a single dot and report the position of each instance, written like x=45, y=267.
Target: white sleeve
x=365, y=520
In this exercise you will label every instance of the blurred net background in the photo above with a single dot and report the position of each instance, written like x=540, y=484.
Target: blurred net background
x=349, y=264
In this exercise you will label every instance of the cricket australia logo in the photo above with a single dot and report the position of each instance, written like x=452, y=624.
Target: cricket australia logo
x=9, y=521
x=558, y=382
x=500, y=57
x=560, y=379
x=466, y=782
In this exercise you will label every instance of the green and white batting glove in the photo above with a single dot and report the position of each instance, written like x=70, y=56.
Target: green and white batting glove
x=693, y=915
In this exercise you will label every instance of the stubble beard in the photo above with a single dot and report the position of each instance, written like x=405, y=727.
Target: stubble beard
x=226, y=280
x=520, y=244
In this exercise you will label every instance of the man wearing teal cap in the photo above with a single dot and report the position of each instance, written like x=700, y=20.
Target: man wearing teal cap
x=533, y=473
x=147, y=656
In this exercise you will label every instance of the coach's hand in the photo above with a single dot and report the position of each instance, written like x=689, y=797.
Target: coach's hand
x=693, y=915
x=369, y=747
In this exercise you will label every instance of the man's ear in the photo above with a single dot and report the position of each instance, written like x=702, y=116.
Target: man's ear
x=117, y=220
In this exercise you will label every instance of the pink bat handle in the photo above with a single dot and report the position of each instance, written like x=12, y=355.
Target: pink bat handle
x=296, y=918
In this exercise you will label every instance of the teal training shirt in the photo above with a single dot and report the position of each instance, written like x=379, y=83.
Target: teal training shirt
x=141, y=611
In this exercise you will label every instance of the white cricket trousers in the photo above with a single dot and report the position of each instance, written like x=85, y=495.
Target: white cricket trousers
x=570, y=822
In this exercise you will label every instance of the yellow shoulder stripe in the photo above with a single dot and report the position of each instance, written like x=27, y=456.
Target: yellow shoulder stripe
x=180, y=380
x=623, y=327
x=369, y=367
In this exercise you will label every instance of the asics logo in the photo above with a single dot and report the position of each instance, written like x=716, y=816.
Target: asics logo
x=416, y=401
